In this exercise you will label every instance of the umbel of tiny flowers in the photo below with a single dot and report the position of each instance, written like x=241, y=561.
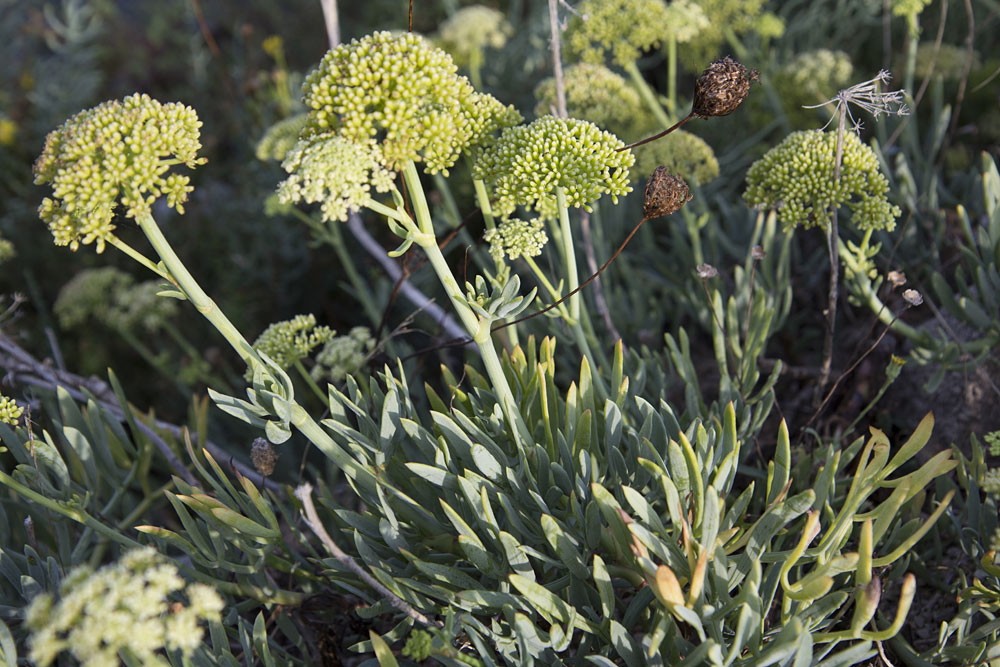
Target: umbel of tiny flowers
x=116, y=154
x=811, y=77
x=280, y=138
x=400, y=93
x=619, y=28
x=343, y=355
x=797, y=178
x=515, y=238
x=10, y=411
x=288, y=342
x=469, y=32
x=134, y=609
x=401, y=96
x=113, y=298
x=596, y=94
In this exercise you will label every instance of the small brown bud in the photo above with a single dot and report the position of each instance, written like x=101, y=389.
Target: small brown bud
x=897, y=278
x=757, y=253
x=706, y=271
x=665, y=193
x=722, y=88
x=263, y=456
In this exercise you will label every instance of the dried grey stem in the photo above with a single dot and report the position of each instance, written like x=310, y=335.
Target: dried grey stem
x=421, y=301
x=304, y=493
x=332, y=19
x=557, y=70
x=24, y=369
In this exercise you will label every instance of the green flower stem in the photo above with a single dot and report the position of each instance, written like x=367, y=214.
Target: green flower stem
x=310, y=382
x=137, y=256
x=569, y=252
x=299, y=417
x=192, y=290
x=549, y=287
x=475, y=67
x=484, y=202
x=479, y=329
x=388, y=211
x=648, y=96
x=450, y=207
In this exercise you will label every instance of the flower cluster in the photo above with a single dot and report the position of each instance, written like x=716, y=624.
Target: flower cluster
x=530, y=162
x=280, y=138
x=595, y=93
x=133, y=606
x=117, y=153
x=797, y=178
x=330, y=169
x=811, y=77
x=515, y=238
x=472, y=29
x=343, y=355
x=402, y=94
x=738, y=16
x=10, y=411
x=7, y=250
x=621, y=28
x=288, y=342
x=113, y=298
x=685, y=20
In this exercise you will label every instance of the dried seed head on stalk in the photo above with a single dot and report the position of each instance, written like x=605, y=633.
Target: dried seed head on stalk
x=665, y=194
x=721, y=88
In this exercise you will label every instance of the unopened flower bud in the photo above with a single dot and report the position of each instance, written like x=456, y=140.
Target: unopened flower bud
x=706, y=271
x=665, y=194
x=722, y=88
x=263, y=456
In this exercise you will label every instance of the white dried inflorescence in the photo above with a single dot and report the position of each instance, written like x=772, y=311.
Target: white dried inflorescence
x=400, y=93
x=343, y=355
x=530, y=162
x=797, y=178
x=471, y=30
x=330, y=169
x=117, y=153
x=516, y=238
x=619, y=28
x=140, y=606
x=292, y=340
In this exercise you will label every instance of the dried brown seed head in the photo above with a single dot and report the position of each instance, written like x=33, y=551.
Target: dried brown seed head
x=912, y=297
x=706, y=271
x=263, y=456
x=722, y=88
x=897, y=278
x=665, y=193
x=757, y=252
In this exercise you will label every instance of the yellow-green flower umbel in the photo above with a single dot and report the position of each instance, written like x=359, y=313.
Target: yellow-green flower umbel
x=529, y=162
x=116, y=154
x=139, y=606
x=292, y=340
x=471, y=30
x=516, y=238
x=401, y=94
x=797, y=178
x=10, y=411
x=620, y=28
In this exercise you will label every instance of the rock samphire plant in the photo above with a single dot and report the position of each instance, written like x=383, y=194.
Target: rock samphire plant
x=518, y=519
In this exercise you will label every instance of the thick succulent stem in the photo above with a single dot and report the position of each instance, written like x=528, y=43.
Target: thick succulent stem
x=479, y=329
